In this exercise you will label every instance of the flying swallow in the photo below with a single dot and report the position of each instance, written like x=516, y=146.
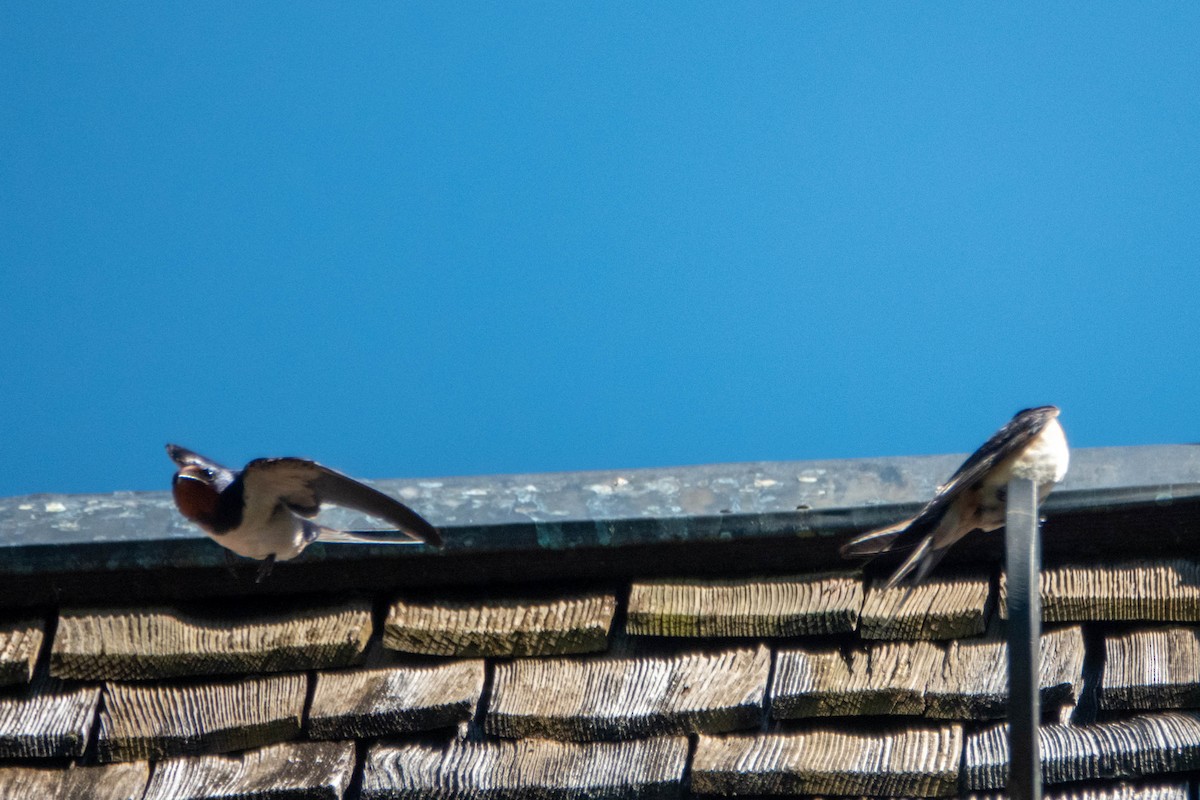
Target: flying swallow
x=1032, y=446
x=265, y=511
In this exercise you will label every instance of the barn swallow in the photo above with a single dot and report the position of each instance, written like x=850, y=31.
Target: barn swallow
x=265, y=511
x=1032, y=445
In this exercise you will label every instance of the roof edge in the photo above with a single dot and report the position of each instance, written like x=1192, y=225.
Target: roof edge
x=723, y=518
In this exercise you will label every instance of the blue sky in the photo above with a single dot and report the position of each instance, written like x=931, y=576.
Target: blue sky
x=424, y=239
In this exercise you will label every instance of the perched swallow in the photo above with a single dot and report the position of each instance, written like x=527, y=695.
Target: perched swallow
x=265, y=511
x=1032, y=446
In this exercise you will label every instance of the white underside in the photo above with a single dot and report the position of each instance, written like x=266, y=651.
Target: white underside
x=280, y=534
x=1044, y=462
x=1046, y=459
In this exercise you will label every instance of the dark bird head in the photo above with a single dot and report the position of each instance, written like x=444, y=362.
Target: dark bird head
x=196, y=494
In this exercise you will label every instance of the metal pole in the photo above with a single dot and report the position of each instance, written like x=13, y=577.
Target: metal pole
x=1024, y=640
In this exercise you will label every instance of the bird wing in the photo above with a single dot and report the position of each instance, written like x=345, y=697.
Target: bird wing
x=1016, y=434
x=222, y=476
x=304, y=485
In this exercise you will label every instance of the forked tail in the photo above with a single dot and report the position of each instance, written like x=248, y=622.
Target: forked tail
x=876, y=542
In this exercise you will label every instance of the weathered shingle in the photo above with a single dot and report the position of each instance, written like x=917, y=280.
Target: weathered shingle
x=972, y=682
x=789, y=606
x=363, y=703
x=156, y=721
x=939, y=608
x=109, y=782
x=915, y=762
x=1115, y=790
x=20, y=643
x=294, y=770
x=137, y=644
x=46, y=718
x=537, y=769
x=1142, y=590
x=612, y=698
x=1123, y=790
x=501, y=627
x=1152, y=668
x=887, y=678
x=1143, y=745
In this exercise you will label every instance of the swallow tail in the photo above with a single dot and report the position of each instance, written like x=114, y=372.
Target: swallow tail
x=918, y=564
x=876, y=542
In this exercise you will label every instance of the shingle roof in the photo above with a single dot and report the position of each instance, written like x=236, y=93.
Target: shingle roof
x=636, y=682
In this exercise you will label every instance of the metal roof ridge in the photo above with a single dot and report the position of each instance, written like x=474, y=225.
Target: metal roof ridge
x=511, y=527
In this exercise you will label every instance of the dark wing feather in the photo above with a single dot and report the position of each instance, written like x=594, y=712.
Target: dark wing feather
x=1016, y=434
x=304, y=485
x=222, y=475
x=874, y=542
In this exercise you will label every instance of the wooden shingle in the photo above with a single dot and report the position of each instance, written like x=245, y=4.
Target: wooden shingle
x=972, y=682
x=157, y=721
x=46, y=718
x=1115, y=790
x=533, y=769
x=1143, y=745
x=151, y=643
x=617, y=698
x=915, y=762
x=789, y=606
x=349, y=704
x=1152, y=668
x=887, y=678
x=1148, y=591
x=963, y=679
x=1124, y=790
x=293, y=770
x=505, y=627
x=20, y=643
x=939, y=608
x=109, y=782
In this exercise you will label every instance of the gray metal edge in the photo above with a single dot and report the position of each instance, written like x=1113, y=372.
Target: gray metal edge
x=562, y=511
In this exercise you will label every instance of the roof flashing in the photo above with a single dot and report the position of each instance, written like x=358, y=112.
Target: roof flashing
x=564, y=519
